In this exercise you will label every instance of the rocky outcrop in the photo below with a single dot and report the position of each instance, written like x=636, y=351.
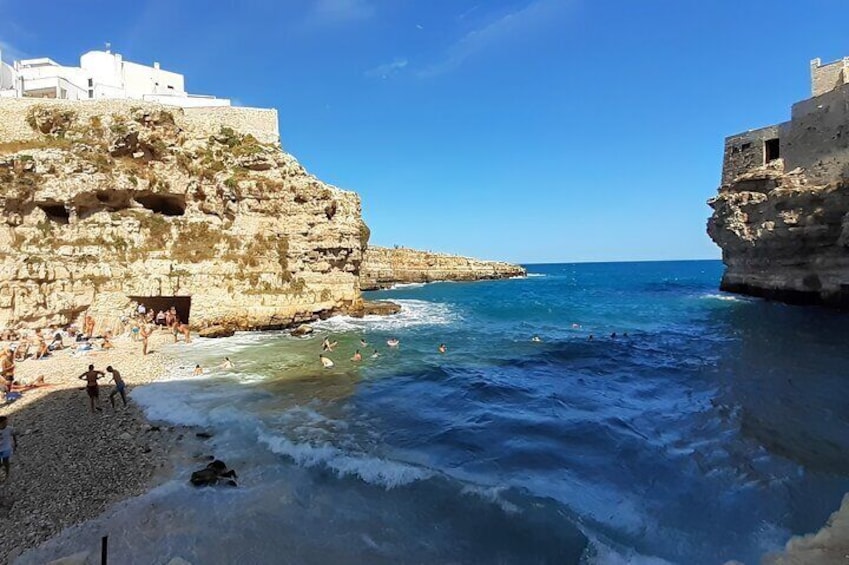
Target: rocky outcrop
x=829, y=546
x=783, y=238
x=384, y=267
x=105, y=202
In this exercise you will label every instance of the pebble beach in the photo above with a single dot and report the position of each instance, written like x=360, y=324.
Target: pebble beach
x=71, y=464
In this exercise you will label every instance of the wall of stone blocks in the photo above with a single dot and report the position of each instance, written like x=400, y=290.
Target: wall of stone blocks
x=201, y=122
x=817, y=137
x=825, y=78
x=745, y=151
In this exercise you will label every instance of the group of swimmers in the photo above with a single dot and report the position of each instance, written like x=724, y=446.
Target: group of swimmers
x=328, y=346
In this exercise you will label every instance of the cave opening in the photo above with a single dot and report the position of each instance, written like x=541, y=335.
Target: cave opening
x=165, y=204
x=183, y=304
x=56, y=213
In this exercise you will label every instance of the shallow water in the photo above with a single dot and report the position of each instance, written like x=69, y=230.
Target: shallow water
x=713, y=431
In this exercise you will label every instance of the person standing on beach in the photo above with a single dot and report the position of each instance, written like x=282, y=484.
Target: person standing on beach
x=119, y=387
x=8, y=444
x=91, y=376
x=145, y=333
x=7, y=368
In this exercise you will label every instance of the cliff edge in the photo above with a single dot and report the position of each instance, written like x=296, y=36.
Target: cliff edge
x=782, y=213
x=103, y=203
x=383, y=267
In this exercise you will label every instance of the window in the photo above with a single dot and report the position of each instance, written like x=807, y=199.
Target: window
x=771, y=150
x=745, y=146
x=170, y=87
x=90, y=82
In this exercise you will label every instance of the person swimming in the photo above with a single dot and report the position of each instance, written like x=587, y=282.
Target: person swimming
x=392, y=342
x=326, y=345
x=375, y=354
x=226, y=364
x=326, y=361
x=357, y=356
x=363, y=343
x=442, y=348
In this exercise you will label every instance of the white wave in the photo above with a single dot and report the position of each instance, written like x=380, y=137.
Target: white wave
x=373, y=470
x=535, y=275
x=723, y=297
x=407, y=285
x=413, y=313
x=493, y=495
x=598, y=553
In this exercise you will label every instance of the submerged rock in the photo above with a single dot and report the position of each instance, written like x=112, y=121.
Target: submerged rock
x=213, y=474
x=302, y=330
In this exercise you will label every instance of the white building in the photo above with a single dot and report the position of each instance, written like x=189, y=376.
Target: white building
x=101, y=74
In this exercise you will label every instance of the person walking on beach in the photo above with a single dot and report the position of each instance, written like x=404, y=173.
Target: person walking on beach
x=91, y=376
x=145, y=333
x=119, y=387
x=8, y=444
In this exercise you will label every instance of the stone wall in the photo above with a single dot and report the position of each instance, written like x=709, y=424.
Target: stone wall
x=745, y=151
x=817, y=137
x=829, y=76
x=102, y=201
x=197, y=122
x=384, y=267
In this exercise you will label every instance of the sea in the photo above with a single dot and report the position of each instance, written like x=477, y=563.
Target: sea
x=656, y=421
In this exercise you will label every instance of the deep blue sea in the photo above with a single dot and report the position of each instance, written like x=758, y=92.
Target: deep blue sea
x=714, y=430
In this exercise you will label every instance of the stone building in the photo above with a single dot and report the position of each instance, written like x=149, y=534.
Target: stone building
x=815, y=139
x=101, y=75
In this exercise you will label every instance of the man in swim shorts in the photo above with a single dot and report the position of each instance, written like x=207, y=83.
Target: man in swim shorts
x=119, y=387
x=91, y=387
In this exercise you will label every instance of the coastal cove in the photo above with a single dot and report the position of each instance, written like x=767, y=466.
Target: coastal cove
x=712, y=431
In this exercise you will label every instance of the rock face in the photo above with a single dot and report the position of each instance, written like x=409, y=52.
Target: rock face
x=782, y=213
x=384, y=267
x=105, y=202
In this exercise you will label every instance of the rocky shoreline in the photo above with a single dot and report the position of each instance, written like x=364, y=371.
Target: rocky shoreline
x=70, y=464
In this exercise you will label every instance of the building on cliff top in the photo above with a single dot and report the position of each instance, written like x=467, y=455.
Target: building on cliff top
x=816, y=139
x=101, y=75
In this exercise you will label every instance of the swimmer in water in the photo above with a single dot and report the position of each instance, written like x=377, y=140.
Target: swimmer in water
x=375, y=355
x=363, y=343
x=326, y=345
x=393, y=342
x=536, y=339
x=442, y=348
x=357, y=356
x=326, y=361
x=590, y=338
x=226, y=364
x=198, y=371
x=613, y=335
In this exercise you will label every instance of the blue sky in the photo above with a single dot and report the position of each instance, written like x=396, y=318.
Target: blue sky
x=525, y=130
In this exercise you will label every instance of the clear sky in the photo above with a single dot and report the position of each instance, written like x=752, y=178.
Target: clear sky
x=525, y=130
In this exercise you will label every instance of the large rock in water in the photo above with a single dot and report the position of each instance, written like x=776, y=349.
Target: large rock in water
x=384, y=267
x=216, y=332
x=105, y=201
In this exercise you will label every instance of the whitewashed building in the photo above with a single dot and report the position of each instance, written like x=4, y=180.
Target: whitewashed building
x=101, y=74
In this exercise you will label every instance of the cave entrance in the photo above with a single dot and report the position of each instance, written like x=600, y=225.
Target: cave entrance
x=772, y=150
x=166, y=204
x=56, y=213
x=183, y=304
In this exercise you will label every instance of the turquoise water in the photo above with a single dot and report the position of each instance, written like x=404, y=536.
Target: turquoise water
x=713, y=431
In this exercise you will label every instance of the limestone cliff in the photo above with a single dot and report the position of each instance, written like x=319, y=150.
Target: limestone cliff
x=384, y=267
x=105, y=201
x=783, y=238
x=782, y=213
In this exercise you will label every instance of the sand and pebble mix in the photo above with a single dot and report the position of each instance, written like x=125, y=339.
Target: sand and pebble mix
x=72, y=464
